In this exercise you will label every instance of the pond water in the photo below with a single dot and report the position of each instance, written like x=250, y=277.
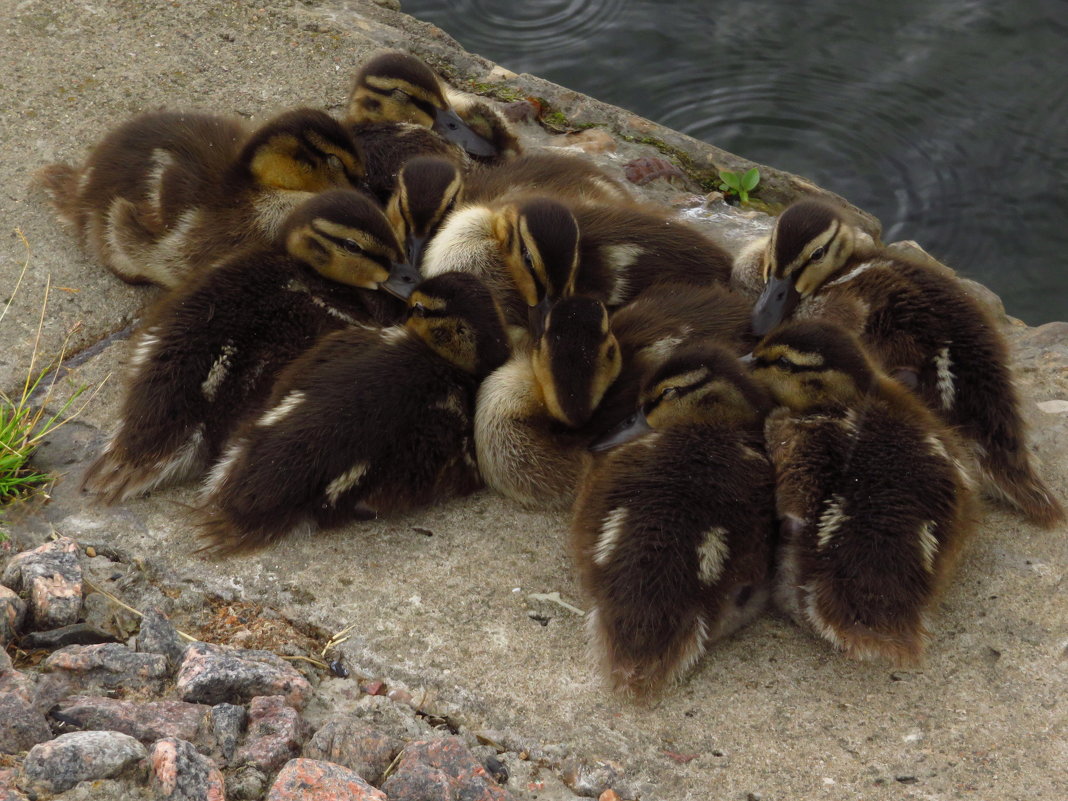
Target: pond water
x=947, y=119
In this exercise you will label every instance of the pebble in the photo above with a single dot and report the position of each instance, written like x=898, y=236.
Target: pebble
x=212, y=674
x=276, y=732
x=592, y=140
x=313, y=780
x=12, y=614
x=52, y=578
x=22, y=725
x=246, y=784
x=75, y=634
x=180, y=773
x=101, y=612
x=147, y=722
x=228, y=723
x=59, y=764
x=354, y=745
x=109, y=666
x=158, y=636
x=442, y=768
x=591, y=778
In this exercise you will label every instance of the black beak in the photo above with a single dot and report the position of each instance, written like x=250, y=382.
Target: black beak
x=536, y=317
x=774, y=305
x=448, y=124
x=402, y=281
x=415, y=246
x=633, y=427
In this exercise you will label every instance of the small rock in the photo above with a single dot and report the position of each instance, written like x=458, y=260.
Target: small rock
x=106, y=615
x=147, y=722
x=312, y=780
x=591, y=140
x=276, y=731
x=591, y=778
x=245, y=784
x=354, y=745
x=374, y=688
x=12, y=613
x=76, y=634
x=212, y=674
x=158, y=636
x=442, y=768
x=179, y=773
x=228, y=723
x=645, y=169
x=392, y=5
x=5, y=662
x=22, y=725
x=61, y=763
x=109, y=666
x=608, y=795
x=393, y=719
x=52, y=578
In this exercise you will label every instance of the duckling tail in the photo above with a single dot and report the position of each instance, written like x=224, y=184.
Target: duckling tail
x=60, y=181
x=1009, y=476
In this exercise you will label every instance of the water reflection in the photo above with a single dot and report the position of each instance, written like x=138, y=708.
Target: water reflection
x=946, y=118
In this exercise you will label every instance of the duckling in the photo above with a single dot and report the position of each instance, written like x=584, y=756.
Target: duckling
x=398, y=109
x=873, y=496
x=918, y=322
x=531, y=412
x=208, y=352
x=363, y=425
x=533, y=250
x=673, y=523
x=428, y=189
x=170, y=193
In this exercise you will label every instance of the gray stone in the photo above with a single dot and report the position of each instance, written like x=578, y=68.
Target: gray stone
x=179, y=773
x=352, y=743
x=443, y=768
x=312, y=780
x=211, y=674
x=591, y=777
x=75, y=634
x=109, y=666
x=158, y=636
x=104, y=614
x=12, y=614
x=247, y=783
x=22, y=726
x=228, y=723
x=276, y=732
x=147, y=722
x=51, y=577
x=61, y=763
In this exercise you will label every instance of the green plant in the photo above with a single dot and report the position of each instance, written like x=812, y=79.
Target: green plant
x=24, y=423
x=740, y=185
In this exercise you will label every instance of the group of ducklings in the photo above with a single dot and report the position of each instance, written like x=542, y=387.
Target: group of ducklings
x=369, y=315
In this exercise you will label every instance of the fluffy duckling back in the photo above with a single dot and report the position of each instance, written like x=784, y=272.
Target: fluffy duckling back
x=917, y=321
x=366, y=424
x=168, y=194
x=207, y=354
x=672, y=527
x=874, y=501
x=531, y=413
x=398, y=109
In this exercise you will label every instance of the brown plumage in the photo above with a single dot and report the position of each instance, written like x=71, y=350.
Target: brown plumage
x=168, y=194
x=207, y=354
x=917, y=321
x=366, y=424
x=672, y=527
x=874, y=500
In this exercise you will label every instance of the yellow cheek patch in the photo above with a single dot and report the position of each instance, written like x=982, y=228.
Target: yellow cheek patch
x=771, y=353
x=427, y=301
x=274, y=165
x=385, y=84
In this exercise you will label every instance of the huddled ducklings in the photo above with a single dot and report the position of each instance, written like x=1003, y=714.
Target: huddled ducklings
x=673, y=524
x=168, y=194
x=874, y=500
x=208, y=352
x=398, y=109
x=363, y=425
x=920, y=324
x=533, y=250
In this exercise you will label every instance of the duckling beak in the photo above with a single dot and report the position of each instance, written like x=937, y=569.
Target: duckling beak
x=402, y=281
x=447, y=123
x=633, y=427
x=414, y=246
x=774, y=305
x=536, y=316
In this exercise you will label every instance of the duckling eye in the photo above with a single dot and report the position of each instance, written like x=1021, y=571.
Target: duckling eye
x=669, y=392
x=528, y=260
x=418, y=310
x=351, y=245
x=784, y=363
x=818, y=253
x=334, y=163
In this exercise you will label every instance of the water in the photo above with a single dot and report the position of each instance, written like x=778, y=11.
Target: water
x=947, y=119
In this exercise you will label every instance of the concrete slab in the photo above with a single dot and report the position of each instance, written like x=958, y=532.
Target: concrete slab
x=770, y=713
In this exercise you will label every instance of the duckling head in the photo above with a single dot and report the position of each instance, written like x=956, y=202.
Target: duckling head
x=343, y=236
x=703, y=383
x=398, y=87
x=812, y=240
x=305, y=150
x=575, y=359
x=428, y=189
x=539, y=239
x=810, y=365
x=457, y=316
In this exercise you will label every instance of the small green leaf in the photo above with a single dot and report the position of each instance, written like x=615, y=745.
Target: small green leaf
x=731, y=180
x=750, y=179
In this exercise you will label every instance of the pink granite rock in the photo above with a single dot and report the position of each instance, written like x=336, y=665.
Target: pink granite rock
x=61, y=763
x=147, y=722
x=312, y=780
x=22, y=726
x=12, y=613
x=441, y=770
x=355, y=745
x=109, y=666
x=179, y=773
x=276, y=731
x=212, y=674
x=52, y=578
